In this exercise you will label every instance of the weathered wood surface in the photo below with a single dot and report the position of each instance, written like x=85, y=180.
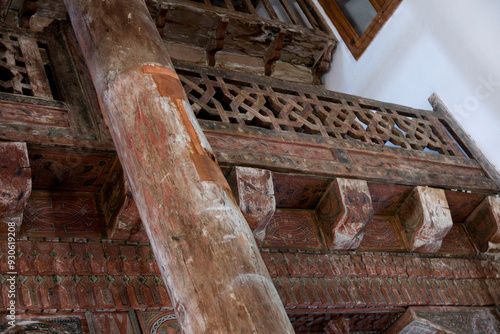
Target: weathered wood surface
x=447, y=320
x=463, y=138
x=411, y=323
x=206, y=252
x=483, y=225
x=254, y=192
x=4, y=9
x=370, y=139
x=425, y=218
x=338, y=326
x=98, y=275
x=243, y=36
x=35, y=111
x=343, y=212
x=15, y=183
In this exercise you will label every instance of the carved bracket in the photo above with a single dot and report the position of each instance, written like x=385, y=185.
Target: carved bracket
x=338, y=326
x=15, y=182
x=447, y=320
x=161, y=18
x=323, y=63
x=274, y=51
x=343, y=212
x=483, y=225
x=254, y=192
x=411, y=323
x=217, y=42
x=425, y=218
x=28, y=8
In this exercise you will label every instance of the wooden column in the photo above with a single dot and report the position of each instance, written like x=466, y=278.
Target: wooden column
x=206, y=252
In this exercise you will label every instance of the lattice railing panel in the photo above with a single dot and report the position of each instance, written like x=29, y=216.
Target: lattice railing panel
x=24, y=66
x=342, y=117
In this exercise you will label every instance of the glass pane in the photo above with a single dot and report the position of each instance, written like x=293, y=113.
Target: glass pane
x=360, y=13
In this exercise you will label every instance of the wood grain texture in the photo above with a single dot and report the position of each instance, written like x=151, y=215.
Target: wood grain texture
x=15, y=181
x=254, y=192
x=343, y=212
x=208, y=258
x=425, y=218
x=483, y=225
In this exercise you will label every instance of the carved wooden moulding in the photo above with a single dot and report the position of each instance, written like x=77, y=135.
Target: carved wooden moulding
x=447, y=320
x=343, y=212
x=484, y=225
x=15, y=184
x=425, y=218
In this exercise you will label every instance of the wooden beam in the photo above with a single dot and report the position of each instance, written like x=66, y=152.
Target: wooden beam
x=343, y=212
x=15, y=184
x=483, y=225
x=217, y=280
x=425, y=218
x=254, y=192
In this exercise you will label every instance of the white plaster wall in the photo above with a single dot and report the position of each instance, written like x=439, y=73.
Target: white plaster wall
x=451, y=47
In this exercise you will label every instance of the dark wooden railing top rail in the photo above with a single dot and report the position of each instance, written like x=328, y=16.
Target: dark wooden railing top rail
x=403, y=138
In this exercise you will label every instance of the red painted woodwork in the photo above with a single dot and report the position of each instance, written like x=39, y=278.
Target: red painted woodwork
x=179, y=190
x=425, y=218
x=343, y=212
x=483, y=225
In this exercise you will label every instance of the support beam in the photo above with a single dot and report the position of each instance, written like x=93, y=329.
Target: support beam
x=217, y=280
x=343, y=212
x=15, y=183
x=483, y=225
x=425, y=218
x=254, y=192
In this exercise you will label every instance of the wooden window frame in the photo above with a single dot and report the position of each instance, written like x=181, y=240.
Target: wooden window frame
x=358, y=44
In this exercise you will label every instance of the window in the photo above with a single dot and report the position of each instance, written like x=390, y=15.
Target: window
x=359, y=21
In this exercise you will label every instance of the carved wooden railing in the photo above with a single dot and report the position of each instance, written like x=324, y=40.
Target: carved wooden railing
x=45, y=90
x=249, y=119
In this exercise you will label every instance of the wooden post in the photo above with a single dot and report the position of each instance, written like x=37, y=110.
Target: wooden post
x=206, y=252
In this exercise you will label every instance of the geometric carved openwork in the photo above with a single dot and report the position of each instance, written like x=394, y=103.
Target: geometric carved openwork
x=24, y=66
x=284, y=108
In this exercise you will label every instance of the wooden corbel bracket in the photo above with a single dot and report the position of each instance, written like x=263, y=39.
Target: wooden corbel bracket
x=274, y=51
x=217, y=42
